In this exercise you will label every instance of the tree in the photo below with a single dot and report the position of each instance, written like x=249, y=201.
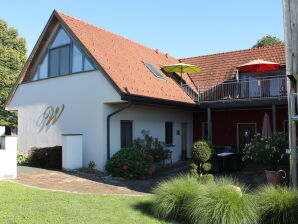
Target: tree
x=268, y=41
x=12, y=59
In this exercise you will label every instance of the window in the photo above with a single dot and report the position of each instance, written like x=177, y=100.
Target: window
x=154, y=71
x=59, y=61
x=126, y=134
x=62, y=57
x=77, y=60
x=169, y=133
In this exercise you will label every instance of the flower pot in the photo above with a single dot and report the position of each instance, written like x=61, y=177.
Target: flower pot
x=274, y=177
x=91, y=171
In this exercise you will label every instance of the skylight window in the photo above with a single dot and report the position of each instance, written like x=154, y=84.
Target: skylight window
x=154, y=71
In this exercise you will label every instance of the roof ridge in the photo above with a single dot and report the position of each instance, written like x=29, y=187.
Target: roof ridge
x=117, y=35
x=228, y=52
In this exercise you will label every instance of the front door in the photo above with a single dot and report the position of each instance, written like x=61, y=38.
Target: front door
x=184, y=139
x=245, y=134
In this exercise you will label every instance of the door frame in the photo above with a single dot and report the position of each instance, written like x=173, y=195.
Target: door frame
x=254, y=123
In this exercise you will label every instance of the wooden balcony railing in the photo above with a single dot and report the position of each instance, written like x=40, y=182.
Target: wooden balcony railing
x=246, y=89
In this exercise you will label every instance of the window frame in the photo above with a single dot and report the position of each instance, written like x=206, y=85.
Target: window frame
x=171, y=142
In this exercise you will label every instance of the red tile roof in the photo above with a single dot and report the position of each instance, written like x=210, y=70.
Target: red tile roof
x=122, y=59
x=221, y=67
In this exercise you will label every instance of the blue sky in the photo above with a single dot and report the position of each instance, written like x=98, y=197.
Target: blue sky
x=180, y=28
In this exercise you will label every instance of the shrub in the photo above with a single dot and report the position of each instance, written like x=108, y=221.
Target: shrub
x=129, y=162
x=206, y=178
x=172, y=195
x=222, y=202
x=22, y=160
x=48, y=157
x=151, y=146
x=202, y=151
x=277, y=205
x=270, y=151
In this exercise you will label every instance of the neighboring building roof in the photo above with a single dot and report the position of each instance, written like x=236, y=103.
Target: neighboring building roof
x=122, y=59
x=221, y=67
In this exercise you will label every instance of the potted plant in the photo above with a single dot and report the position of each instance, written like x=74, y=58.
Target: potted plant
x=269, y=151
x=91, y=166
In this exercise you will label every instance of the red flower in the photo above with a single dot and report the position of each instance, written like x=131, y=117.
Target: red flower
x=141, y=177
x=125, y=167
x=138, y=163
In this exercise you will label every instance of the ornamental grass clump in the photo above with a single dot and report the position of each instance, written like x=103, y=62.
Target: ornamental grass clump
x=171, y=197
x=222, y=202
x=277, y=205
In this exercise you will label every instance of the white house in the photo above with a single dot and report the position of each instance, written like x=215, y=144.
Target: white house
x=80, y=79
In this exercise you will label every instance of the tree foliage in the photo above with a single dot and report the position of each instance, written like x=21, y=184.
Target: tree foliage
x=268, y=41
x=12, y=59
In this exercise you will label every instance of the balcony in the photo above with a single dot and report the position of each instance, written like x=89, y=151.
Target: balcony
x=237, y=90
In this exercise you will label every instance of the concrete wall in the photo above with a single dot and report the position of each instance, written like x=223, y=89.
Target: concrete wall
x=8, y=159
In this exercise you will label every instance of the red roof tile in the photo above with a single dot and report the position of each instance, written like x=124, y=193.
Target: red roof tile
x=221, y=67
x=122, y=59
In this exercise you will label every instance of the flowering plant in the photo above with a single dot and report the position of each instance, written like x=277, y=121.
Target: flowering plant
x=129, y=163
x=267, y=150
x=152, y=147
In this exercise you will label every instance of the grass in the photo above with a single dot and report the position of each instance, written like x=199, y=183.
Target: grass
x=277, y=205
x=222, y=202
x=171, y=196
x=20, y=204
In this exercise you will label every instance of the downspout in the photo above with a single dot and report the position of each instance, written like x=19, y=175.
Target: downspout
x=108, y=127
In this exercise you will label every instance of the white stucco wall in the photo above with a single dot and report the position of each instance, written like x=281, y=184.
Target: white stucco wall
x=83, y=96
x=8, y=159
x=88, y=98
x=153, y=118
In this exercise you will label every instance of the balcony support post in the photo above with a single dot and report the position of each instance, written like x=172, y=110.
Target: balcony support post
x=209, y=123
x=273, y=118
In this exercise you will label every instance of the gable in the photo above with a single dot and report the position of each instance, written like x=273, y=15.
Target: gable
x=61, y=56
x=120, y=60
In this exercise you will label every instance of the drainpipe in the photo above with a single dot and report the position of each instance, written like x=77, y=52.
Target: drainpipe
x=108, y=126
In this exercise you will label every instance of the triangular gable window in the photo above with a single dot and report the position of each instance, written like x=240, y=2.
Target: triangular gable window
x=62, y=57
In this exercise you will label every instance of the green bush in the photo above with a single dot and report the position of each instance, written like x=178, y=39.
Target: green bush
x=270, y=150
x=207, y=166
x=152, y=146
x=277, y=205
x=222, y=202
x=202, y=151
x=129, y=162
x=206, y=178
x=22, y=160
x=171, y=196
x=48, y=157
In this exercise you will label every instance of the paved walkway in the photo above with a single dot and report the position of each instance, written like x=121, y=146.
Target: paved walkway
x=57, y=180
x=74, y=182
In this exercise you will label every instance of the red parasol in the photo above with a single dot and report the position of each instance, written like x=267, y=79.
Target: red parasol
x=259, y=66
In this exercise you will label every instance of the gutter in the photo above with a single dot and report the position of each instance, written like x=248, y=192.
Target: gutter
x=108, y=127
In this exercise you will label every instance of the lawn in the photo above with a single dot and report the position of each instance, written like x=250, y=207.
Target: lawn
x=21, y=204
